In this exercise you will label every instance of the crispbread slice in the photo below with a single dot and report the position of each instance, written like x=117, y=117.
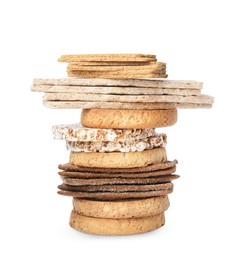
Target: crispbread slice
x=145, y=169
x=115, y=90
x=150, y=83
x=111, y=63
x=111, y=174
x=117, y=75
x=150, y=67
x=114, y=195
x=121, y=105
x=202, y=99
x=108, y=57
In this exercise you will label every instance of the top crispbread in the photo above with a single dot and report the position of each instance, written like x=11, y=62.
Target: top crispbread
x=112, y=63
x=108, y=57
x=148, y=83
x=146, y=67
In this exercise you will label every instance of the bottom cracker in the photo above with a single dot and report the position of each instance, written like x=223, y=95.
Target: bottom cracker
x=101, y=226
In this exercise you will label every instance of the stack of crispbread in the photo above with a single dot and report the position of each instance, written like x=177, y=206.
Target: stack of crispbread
x=114, y=66
x=121, y=93
x=118, y=172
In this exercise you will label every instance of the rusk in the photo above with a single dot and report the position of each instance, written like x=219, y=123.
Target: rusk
x=118, y=159
x=121, y=209
x=126, y=119
x=105, y=226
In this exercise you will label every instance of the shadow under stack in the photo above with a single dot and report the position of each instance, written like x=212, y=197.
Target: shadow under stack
x=118, y=172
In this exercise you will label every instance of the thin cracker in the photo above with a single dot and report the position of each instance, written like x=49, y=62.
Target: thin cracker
x=77, y=174
x=150, y=67
x=120, y=105
x=110, y=181
x=153, y=167
x=116, y=188
x=115, y=90
x=144, y=83
x=117, y=75
x=203, y=99
x=115, y=196
x=107, y=57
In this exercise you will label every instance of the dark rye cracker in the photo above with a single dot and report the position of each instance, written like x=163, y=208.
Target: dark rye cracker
x=117, y=181
x=116, y=188
x=150, y=168
x=115, y=196
x=90, y=175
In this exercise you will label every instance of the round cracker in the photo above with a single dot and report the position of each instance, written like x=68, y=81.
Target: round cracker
x=105, y=226
x=149, y=168
x=127, y=119
x=121, y=209
x=118, y=159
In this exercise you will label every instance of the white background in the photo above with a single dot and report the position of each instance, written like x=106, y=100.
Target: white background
x=199, y=40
